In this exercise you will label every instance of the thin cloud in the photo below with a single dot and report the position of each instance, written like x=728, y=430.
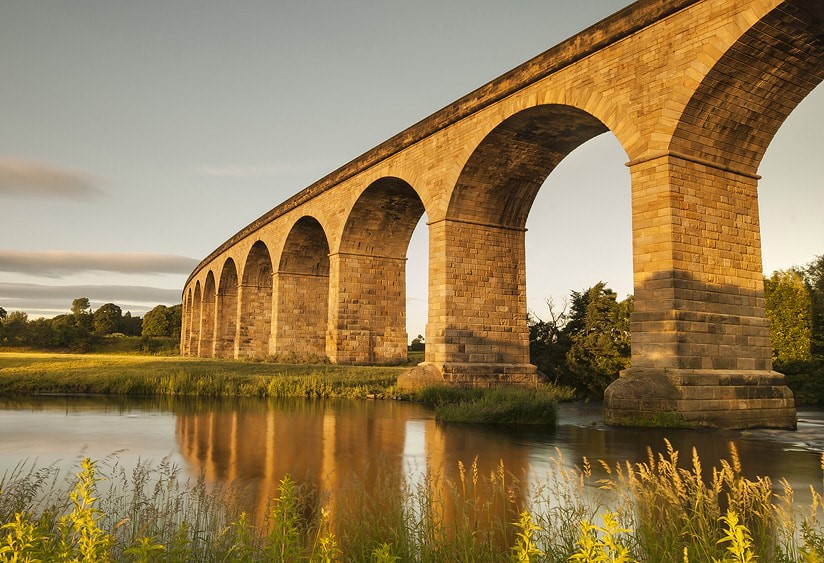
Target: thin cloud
x=49, y=300
x=29, y=179
x=56, y=264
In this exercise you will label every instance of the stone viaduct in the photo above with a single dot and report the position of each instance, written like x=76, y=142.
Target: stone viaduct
x=694, y=90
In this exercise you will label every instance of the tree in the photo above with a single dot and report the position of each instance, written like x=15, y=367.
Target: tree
x=787, y=306
x=131, y=326
x=3, y=313
x=107, y=319
x=15, y=328
x=417, y=344
x=175, y=321
x=156, y=322
x=549, y=343
x=82, y=312
x=599, y=334
x=814, y=279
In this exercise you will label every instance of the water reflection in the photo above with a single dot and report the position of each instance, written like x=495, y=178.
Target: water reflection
x=330, y=444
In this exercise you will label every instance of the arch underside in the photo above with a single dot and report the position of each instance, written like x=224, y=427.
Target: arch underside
x=301, y=286
x=255, y=304
x=367, y=312
x=477, y=310
x=226, y=312
x=747, y=95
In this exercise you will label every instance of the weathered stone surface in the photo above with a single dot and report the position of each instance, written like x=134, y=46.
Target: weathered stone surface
x=694, y=91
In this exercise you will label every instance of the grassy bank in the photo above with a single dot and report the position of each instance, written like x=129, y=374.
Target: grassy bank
x=30, y=372
x=654, y=511
x=27, y=373
x=534, y=405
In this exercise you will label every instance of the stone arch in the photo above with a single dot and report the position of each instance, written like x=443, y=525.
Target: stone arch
x=477, y=300
x=256, y=303
x=699, y=318
x=504, y=173
x=207, y=317
x=226, y=311
x=367, y=309
x=194, y=322
x=301, y=287
x=745, y=97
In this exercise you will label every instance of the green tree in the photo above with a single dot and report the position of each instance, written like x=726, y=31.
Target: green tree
x=814, y=278
x=82, y=312
x=549, y=343
x=156, y=322
x=131, y=326
x=175, y=320
x=417, y=344
x=599, y=334
x=3, y=314
x=107, y=319
x=15, y=328
x=787, y=305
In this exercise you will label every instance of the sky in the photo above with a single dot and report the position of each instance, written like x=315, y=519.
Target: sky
x=136, y=137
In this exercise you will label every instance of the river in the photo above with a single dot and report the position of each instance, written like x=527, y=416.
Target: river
x=329, y=442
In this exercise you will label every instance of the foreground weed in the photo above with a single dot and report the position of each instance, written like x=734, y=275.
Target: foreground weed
x=602, y=544
x=81, y=539
x=23, y=542
x=738, y=540
x=525, y=549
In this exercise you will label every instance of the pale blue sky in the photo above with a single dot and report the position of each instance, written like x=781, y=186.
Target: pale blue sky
x=124, y=124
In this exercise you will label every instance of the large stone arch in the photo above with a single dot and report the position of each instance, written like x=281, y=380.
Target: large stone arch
x=195, y=316
x=301, y=289
x=477, y=293
x=226, y=311
x=207, y=317
x=701, y=339
x=255, y=297
x=367, y=305
x=745, y=97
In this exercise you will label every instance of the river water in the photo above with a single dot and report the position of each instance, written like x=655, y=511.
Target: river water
x=329, y=442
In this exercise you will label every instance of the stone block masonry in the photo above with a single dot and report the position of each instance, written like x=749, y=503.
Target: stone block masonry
x=694, y=90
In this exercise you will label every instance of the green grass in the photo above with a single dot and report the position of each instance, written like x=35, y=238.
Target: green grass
x=30, y=372
x=495, y=405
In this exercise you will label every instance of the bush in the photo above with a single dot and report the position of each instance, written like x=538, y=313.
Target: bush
x=805, y=378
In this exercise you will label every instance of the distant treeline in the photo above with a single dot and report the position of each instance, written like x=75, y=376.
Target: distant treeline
x=585, y=342
x=79, y=330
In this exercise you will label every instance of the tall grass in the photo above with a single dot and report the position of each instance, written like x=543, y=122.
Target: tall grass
x=496, y=405
x=167, y=376
x=656, y=510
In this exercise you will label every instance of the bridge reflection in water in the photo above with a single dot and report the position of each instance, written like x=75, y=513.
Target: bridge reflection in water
x=342, y=448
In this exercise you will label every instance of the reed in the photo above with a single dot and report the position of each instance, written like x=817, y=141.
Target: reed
x=656, y=510
x=495, y=405
x=26, y=373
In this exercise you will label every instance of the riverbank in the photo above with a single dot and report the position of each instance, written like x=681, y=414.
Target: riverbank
x=113, y=374
x=25, y=373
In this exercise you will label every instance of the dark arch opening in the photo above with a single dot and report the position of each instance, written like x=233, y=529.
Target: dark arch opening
x=302, y=290
x=226, y=316
x=256, y=303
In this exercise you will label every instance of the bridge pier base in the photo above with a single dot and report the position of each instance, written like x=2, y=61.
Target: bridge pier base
x=468, y=375
x=700, y=397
